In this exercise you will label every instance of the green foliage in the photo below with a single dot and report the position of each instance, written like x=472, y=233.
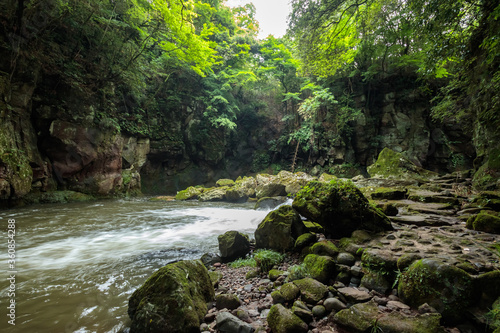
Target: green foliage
x=262, y=258
x=266, y=259
x=298, y=272
x=248, y=262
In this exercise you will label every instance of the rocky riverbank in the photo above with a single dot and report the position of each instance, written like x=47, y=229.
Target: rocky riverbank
x=416, y=252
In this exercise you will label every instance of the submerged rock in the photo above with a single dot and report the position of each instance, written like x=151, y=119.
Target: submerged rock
x=174, y=299
x=339, y=207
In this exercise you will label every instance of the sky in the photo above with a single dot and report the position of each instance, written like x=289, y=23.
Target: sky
x=271, y=15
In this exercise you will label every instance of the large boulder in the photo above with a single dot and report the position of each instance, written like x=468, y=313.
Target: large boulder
x=279, y=229
x=233, y=245
x=446, y=288
x=174, y=299
x=339, y=207
x=393, y=165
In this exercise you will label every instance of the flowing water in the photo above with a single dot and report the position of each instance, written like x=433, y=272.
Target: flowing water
x=77, y=264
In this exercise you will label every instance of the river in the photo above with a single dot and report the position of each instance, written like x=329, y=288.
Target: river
x=77, y=264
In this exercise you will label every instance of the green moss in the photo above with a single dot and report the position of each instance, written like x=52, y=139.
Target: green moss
x=446, y=288
x=304, y=240
x=321, y=268
x=173, y=299
x=279, y=229
x=274, y=274
x=225, y=182
x=325, y=248
x=282, y=320
x=189, y=193
x=493, y=316
x=486, y=221
x=393, y=165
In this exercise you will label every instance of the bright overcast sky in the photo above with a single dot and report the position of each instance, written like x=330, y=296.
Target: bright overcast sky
x=271, y=15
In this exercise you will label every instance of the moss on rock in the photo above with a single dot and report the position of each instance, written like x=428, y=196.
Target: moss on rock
x=446, y=288
x=233, y=245
x=279, y=229
x=174, y=299
x=393, y=165
x=282, y=320
x=189, y=193
x=311, y=290
x=339, y=207
x=486, y=221
x=321, y=268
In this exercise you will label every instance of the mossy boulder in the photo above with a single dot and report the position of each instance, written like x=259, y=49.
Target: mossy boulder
x=293, y=182
x=311, y=290
x=359, y=317
x=304, y=240
x=393, y=165
x=214, y=194
x=174, y=299
x=288, y=292
x=189, y=193
x=381, y=261
x=339, y=207
x=487, y=221
x=233, y=245
x=324, y=248
x=282, y=320
x=321, y=268
x=279, y=229
x=446, y=288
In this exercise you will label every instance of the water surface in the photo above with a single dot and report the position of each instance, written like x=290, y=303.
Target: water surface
x=77, y=264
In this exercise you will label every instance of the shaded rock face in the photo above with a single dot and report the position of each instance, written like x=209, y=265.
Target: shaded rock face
x=93, y=160
x=233, y=245
x=339, y=207
x=279, y=230
x=174, y=299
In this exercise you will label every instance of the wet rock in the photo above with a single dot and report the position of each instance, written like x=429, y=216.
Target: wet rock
x=173, y=299
x=379, y=261
x=233, y=245
x=279, y=229
x=339, y=207
x=282, y=320
x=227, y=323
x=267, y=203
x=227, y=301
x=208, y=259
